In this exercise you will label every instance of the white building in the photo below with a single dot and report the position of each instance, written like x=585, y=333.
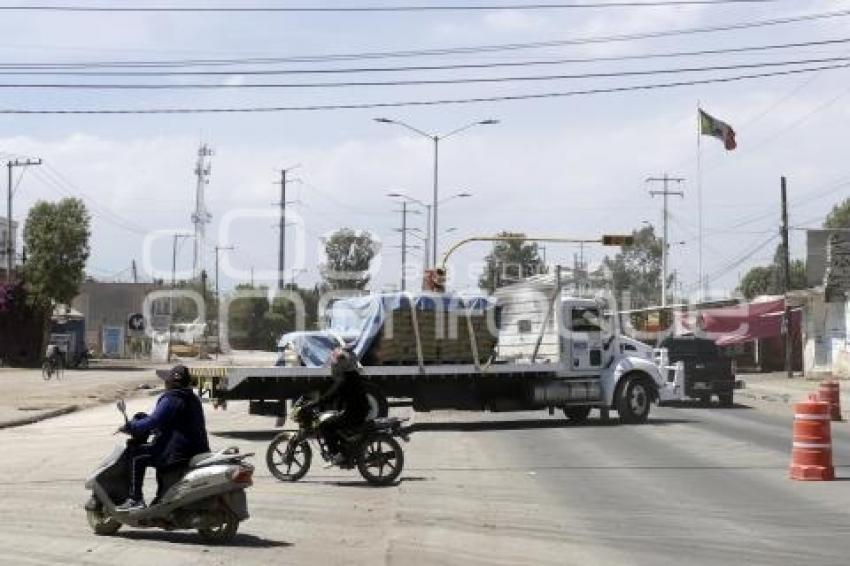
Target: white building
x=826, y=305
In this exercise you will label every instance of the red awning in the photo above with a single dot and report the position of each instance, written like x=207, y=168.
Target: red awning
x=743, y=323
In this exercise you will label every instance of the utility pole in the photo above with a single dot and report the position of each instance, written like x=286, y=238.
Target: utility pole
x=665, y=249
x=201, y=217
x=786, y=267
x=135, y=272
x=174, y=270
x=403, y=245
x=281, y=252
x=10, y=235
x=404, y=230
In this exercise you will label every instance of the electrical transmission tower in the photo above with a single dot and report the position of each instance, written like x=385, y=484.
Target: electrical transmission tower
x=201, y=217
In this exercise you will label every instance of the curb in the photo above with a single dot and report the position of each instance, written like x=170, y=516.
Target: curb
x=40, y=417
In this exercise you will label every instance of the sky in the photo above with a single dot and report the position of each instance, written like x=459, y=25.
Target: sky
x=567, y=166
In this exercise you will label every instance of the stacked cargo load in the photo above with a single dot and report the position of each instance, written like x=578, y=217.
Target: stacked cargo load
x=407, y=329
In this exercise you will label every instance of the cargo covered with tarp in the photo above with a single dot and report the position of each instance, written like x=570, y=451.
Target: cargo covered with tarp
x=402, y=329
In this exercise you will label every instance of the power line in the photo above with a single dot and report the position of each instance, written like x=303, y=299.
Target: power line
x=419, y=82
x=378, y=9
x=55, y=180
x=415, y=103
x=720, y=272
x=458, y=50
x=40, y=70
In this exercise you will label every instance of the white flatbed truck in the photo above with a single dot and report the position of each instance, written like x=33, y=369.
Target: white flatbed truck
x=554, y=352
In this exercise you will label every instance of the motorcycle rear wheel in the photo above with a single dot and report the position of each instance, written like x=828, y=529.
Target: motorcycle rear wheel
x=221, y=533
x=284, y=467
x=381, y=460
x=101, y=524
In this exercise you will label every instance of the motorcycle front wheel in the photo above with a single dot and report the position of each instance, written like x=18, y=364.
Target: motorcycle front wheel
x=287, y=461
x=381, y=460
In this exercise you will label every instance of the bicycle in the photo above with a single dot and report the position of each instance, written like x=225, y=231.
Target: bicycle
x=51, y=367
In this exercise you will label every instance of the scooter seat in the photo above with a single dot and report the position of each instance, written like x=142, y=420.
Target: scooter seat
x=225, y=456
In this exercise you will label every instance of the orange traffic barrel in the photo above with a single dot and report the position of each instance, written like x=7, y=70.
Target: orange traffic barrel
x=830, y=392
x=811, y=455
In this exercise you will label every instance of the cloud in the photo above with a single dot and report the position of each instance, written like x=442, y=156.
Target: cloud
x=513, y=21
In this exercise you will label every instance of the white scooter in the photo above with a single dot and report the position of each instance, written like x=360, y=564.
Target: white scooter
x=208, y=494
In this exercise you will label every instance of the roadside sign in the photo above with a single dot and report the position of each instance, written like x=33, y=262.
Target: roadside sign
x=136, y=322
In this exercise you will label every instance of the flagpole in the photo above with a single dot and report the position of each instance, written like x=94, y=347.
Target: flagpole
x=699, y=199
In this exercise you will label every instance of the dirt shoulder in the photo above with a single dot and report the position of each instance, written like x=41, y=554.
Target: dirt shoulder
x=25, y=397
x=776, y=389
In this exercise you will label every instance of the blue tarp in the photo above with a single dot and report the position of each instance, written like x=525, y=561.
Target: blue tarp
x=357, y=321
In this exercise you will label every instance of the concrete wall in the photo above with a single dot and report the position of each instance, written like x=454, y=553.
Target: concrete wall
x=826, y=345
x=109, y=305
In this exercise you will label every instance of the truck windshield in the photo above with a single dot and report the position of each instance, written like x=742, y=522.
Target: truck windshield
x=585, y=320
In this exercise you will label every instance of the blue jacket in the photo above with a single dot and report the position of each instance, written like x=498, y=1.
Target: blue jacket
x=178, y=420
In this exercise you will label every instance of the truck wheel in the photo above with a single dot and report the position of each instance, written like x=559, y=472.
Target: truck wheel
x=576, y=414
x=633, y=401
x=726, y=399
x=378, y=405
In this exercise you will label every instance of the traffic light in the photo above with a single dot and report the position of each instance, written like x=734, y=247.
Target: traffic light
x=617, y=240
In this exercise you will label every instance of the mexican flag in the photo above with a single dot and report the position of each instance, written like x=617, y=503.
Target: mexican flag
x=711, y=126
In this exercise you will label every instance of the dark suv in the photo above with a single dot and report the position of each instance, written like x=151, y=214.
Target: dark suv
x=707, y=371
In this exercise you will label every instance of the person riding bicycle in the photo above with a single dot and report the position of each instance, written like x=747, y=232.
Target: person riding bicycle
x=181, y=433
x=348, y=395
x=53, y=355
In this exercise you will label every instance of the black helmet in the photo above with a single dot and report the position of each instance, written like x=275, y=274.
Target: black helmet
x=176, y=377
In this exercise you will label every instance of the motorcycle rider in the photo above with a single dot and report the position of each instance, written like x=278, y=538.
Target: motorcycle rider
x=348, y=394
x=181, y=433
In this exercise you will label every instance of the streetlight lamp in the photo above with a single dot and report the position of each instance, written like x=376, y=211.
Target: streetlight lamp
x=436, y=138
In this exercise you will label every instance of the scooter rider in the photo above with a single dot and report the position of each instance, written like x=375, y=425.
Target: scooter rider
x=349, y=395
x=181, y=433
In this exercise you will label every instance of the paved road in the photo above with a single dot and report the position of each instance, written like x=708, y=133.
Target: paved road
x=696, y=486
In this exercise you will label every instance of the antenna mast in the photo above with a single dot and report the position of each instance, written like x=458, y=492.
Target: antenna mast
x=201, y=217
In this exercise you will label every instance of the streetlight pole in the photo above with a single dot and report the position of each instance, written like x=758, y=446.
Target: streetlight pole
x=435, y=139
x=217, y=250
x=435, y=204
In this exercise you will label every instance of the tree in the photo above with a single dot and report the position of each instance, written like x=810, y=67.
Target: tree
x=349, y=254
x=839, y=216
x=56, y=236
x=255, y=324
x=758, y=281
x=770, y=279
x=636, y=269
x=247, y=320
x=510, y=261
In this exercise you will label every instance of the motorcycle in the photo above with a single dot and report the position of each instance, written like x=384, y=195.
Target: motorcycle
x=208, y=494
x=371, y=448
x=81, y=359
